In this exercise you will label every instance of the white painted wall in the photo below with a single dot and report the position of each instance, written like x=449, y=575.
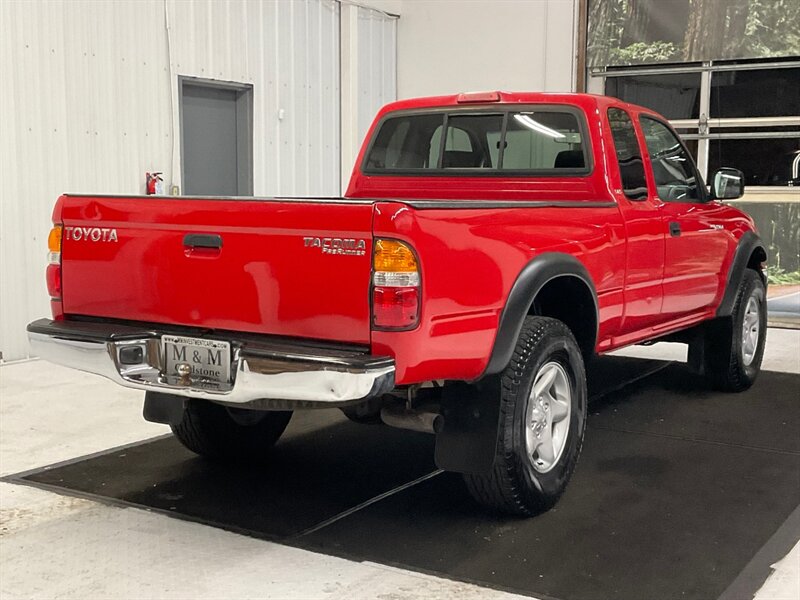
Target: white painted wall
x=450, y=46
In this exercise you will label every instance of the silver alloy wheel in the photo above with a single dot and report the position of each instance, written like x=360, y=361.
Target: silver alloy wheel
x=751, y=325
x=547, y=416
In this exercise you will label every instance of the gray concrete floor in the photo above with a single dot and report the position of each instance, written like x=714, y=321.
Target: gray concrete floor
x=785, y=309
x=54, y=546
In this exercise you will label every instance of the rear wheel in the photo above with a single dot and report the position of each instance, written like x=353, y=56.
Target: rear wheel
x=215, y=431
x=542, y=422
x=734, y=346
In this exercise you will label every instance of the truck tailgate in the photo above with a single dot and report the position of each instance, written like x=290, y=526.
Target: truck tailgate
x=283, y=266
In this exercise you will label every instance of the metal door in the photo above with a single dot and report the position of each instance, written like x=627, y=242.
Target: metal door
x=217, y=139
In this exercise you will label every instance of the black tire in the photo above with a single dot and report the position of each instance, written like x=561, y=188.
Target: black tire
x=516, y=485
x=218, y=432
x=727, y=365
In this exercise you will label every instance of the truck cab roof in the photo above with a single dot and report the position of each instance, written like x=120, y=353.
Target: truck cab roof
x=486, y=144
x=488, y=98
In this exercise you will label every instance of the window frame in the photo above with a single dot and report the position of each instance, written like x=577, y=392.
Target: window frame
x=707, y=128
x=503, y=109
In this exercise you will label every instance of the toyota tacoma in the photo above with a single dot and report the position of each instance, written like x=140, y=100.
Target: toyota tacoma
x=488, y=246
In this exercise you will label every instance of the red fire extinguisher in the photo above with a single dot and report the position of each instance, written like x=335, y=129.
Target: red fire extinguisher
x=155, y=184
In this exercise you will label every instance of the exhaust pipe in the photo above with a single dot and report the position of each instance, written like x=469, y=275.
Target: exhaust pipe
x=402, y=418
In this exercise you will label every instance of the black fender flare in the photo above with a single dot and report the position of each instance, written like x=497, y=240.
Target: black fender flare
x=748, y=243
x=533, y=277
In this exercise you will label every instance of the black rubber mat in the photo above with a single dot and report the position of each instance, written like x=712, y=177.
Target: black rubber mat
x=324, y=465
x=677, y=489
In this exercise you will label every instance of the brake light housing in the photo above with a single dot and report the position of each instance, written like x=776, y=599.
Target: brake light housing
x=472, y=97
x=53, y=273
x=395, y=286
x=53, y=276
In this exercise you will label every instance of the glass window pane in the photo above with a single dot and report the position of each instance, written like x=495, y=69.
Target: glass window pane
x=767, y=93
x=539, y=140
x=543, y=140
x=763, y=161
x=673, y=170
x=436, y=146
x=691, y=146
x=405, y=143
x=629, y=155
x=675, y=95
x=493, y=138
x=466, y=141
x=457, y=139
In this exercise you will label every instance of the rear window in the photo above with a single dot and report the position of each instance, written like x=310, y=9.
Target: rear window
x=537, y=140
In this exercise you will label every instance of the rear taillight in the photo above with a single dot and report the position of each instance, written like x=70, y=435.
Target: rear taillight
x=54, y=281
x=395, y=286
x=54, y=263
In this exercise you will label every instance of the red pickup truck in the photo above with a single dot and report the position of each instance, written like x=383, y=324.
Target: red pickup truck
x=489, y=244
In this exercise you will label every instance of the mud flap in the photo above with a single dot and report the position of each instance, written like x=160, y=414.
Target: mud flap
x=471, y=412
x=696, y=354
x=163, y=408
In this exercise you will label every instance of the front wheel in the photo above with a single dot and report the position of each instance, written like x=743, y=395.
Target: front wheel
x=215, y=431
x=734, y=346
x=542, y=422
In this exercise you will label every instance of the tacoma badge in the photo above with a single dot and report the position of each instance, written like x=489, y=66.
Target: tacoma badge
x=346, y=246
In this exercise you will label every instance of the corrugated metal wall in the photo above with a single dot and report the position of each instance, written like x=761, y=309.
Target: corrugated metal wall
x=377, y=47
x=289, y=51
x=85, y=105
x=88, y=103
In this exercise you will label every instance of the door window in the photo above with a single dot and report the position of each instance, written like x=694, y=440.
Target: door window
x=629, y=155
x=674, y=172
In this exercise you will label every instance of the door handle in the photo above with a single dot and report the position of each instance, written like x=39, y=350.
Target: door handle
x=202, y=240
x=674, y=229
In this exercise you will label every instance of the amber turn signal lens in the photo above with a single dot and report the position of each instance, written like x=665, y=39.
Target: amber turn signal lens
x=54, y=239
x=394, y=256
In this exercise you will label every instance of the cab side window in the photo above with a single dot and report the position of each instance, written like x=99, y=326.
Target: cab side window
x=673, y=169
x=629, y=155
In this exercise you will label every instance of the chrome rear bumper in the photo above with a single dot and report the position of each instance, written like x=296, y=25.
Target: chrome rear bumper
x=265, y=373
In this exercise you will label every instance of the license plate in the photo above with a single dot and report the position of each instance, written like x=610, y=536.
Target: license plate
x=195, y=360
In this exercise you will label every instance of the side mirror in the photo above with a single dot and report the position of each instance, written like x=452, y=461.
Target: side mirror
x=727, y=184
